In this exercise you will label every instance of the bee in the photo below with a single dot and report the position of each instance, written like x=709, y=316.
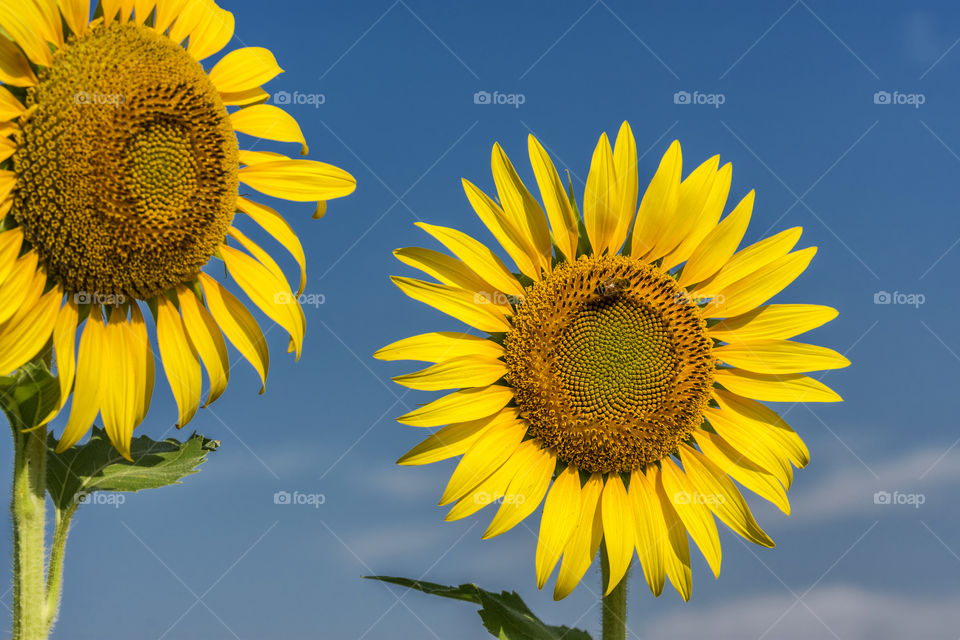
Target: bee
x=612, y=286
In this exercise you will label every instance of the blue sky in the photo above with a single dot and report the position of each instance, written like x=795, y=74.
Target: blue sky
x=872, y=178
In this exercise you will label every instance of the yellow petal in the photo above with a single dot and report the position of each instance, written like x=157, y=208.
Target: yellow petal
x=14, y=67
x=459, y=406
x=525, y=491
x=51, y=24
x=723, y=498
x=727, y=425
x=676, y=549
x=450, y=271
x=780, y=356
x=600, y=199
x=26, y=25
x=244, y=69
x=563, y=220
x=8, y=180
x=790, y=387
x=10, y=107
x=619, y=529
x=478, y=257
x=439, y=346
x=10, y=243
x=244, y=98
x=658, y=204
x=583, y=545
x=732, y=463
x=27, y=332
x=758, y=287
x=764, y=426
x=270, y=123
x=695, y=515
x=18, y=285
x=167, y=12
x=207, y=339
x=180, y=360
x=754, y=257
x=719, y=244
x=707, y=219
x=7, y=148
x=448, y=442
x=64, y=349
x=518, y=204
x=772, y=322
x=238, y=325
x=650, y=528
x=694, y=191
x=561, y=512
x=120, y=396
x=465, y=306
x=88, y=390
x=456, y=373
x=503, y=229
x=494, y=487
x=76, y=13
x=212, y=32
x=271, y=294
x=250, y=158
x=274, y=224
x=625, y=166
x=299, y=180
x=142, y=359
x=501, y=438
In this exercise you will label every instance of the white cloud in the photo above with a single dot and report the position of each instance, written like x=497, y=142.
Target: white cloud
x=844, y=611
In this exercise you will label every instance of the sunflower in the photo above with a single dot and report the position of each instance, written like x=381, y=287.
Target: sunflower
x=119, y=178
x=619, y=375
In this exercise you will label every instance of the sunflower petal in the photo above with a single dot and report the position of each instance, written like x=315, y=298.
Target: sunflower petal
x=676, y=548
x=180, y=360
x=208, y=340
x=725, y=424
x=707, y=219
x=583, y=545
x=501, y=439
x=625, y=166
x=650, y=528
x=244, y=98
x=561, y=512
x=601, y=199
x=448, y=442
x=14, y=67
x=658, y=204
x=120, y=398
x=762, y=425
x=503, y=229
x=274, y=224
x=212, y=32
x=494, y=487
x=527, y=215
x=439, y=346
x=64, y=349
x=772, y=322
x=238, y=325
x=26, y=333
x=244, y=69
x=525, y=491
x=455, y=373
x=270, y=123
x=465, y=306
x=450, y=271
x=76, y=13
x=695, y=515
x=299, y=180
x=758, y=287
x=563, y=220
x=619, y=529
x=10, y=243
x=732, y=463
x=87, y=393
x=10, y=107
x=26, y=25
x=477, y=257
x=723, y=498
x=791, y=387
x=142, y=354
x=719, y=245
x=467, y=404
x=780, y=356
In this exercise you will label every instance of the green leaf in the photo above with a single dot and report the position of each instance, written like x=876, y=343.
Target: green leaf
x=96, y=466
x=28, y=395
x=504, y=615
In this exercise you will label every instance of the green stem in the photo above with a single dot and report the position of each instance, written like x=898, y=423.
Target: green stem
x=55, y=569
x=614, y=604
x=28, y=508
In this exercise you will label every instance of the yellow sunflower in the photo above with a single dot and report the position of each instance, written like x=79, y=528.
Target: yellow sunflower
x=619, y=378
x=119, y=177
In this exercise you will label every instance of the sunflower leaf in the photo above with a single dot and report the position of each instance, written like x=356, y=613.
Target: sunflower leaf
x=28, y=395
x=96, y=466
x=504, y=614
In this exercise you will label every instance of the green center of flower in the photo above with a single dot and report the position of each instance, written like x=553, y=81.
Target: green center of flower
x=611, y=363
x=127, y=165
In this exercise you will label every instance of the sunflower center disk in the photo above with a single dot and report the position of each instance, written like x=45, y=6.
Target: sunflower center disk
x=611, y=363
x=127, y=168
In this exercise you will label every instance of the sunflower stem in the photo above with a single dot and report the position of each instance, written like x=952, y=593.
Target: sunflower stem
x=614, y=620
x=28, y=509
x=58, y=548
